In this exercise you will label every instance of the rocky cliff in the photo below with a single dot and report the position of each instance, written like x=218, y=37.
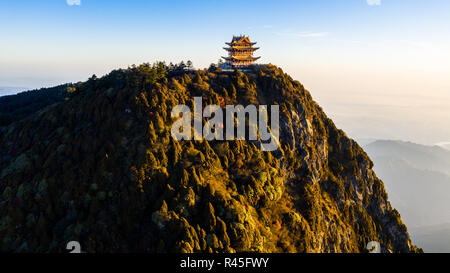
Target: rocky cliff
x=101, y=168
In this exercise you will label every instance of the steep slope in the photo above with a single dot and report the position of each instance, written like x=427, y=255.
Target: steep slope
x=101, y=168
x=16, y=107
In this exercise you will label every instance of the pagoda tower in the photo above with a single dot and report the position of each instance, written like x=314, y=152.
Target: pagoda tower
x=240, y=53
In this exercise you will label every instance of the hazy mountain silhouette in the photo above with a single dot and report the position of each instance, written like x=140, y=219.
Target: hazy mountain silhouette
x=433, y=158
x=418, y=183
x=8, y=90
x=445, y=145
x=433, y=239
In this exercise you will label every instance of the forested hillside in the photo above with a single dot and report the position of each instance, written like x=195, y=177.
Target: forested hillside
x=16, y=107
x=100, y=167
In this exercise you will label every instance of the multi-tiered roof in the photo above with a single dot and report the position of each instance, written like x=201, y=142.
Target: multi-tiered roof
x=240, y=52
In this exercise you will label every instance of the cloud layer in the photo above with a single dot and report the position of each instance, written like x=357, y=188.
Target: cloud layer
x=373, y=2
x=302, y=34
x=73, y=2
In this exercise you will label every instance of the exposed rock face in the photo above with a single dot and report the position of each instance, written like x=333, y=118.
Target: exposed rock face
x=101, y=168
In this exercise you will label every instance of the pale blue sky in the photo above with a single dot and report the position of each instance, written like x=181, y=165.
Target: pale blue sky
x=367, y=65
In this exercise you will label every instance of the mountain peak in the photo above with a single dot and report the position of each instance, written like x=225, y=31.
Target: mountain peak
x=100, y=167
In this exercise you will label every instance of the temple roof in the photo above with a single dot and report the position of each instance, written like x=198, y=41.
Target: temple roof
x=240, y=43
x=241, y=58
x=237, y=48
x=240, y=40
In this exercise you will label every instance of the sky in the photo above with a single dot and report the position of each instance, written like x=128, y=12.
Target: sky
x=379, y=68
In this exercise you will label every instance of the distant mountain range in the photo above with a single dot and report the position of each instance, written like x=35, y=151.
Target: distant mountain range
x=8, y=90
x=417, y=179
x=445, y=145
x=431, y=158
x=433, y=239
